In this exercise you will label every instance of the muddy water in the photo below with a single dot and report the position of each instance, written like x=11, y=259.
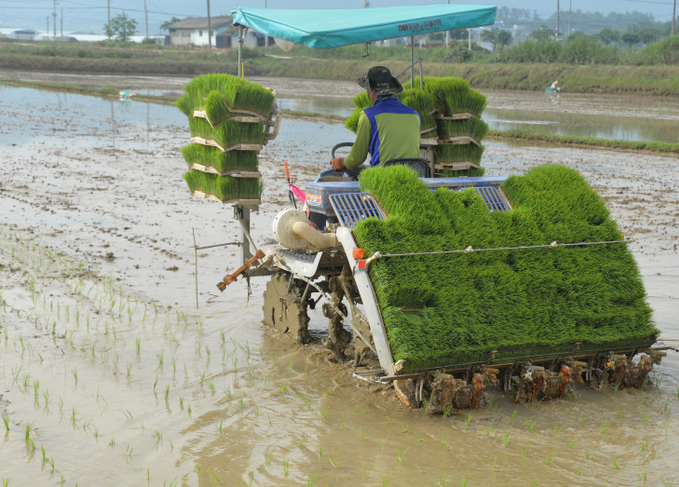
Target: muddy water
x=124, y=382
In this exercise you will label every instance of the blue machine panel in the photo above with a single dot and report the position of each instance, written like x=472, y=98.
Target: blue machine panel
x=351, y=208
x=318, y=192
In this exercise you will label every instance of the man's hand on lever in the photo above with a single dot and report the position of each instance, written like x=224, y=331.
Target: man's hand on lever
x=337, y=163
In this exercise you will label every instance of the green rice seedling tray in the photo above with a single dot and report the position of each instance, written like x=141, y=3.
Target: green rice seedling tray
x=453, y=95
x=220, y=161
x=450, y=153
x=474, y=128
x=271, y=125
x=242, y=96
x=457, y=116
x=459, y=310
x=234, y=173
x=223, y=188
x=457, y=140
x=471, y=172
x=228, y=133
x=214, y=143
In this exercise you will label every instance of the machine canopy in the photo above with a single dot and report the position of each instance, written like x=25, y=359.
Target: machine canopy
x=324, y=29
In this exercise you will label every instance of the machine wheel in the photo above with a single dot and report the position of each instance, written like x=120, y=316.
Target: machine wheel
x=283, y=308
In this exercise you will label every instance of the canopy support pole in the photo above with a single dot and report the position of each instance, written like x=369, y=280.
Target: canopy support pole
x=412, y=61
x=240, y=50
x=420, y=61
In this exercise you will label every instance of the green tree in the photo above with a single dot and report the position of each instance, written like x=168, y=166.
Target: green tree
x=504, y=38
x=576, y=34
x=122, y=27
x=165, y=24
x=647, y=36
x=542, y=33
x=608, y=36
x=491, y=35
x=630, y=38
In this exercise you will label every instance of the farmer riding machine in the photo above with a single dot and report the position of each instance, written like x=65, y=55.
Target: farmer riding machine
x=441, y=280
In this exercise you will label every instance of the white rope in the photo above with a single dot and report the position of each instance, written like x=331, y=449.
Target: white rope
x=469, y=249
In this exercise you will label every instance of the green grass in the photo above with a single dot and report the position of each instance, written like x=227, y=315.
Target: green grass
x=458, y=153
x=471, y=127
x=240, y=94
x=222, y=161
x=223, y=187
x=228, y=133
x=461, y=306
x=589, y=141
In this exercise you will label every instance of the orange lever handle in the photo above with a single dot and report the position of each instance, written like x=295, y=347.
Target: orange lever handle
x=287, y=172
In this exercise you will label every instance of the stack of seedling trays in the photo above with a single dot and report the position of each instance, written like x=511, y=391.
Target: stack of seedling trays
x=231, y=120
x=460, y=130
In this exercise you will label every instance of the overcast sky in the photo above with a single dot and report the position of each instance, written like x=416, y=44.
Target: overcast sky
x=91, y=15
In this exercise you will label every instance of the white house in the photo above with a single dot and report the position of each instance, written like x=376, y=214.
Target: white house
x=194, y=32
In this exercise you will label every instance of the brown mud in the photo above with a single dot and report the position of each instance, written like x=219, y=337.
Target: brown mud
x=110, y=376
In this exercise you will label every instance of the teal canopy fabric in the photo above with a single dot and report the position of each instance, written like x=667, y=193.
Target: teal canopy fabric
x=323, y=29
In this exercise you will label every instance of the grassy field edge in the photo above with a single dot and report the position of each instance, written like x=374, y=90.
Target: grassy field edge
x=661, y=80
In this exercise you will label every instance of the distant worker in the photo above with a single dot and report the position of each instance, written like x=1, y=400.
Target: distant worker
x=388, y=129
x=554, y=86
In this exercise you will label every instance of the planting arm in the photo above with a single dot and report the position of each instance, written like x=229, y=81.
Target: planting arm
x=232, y=277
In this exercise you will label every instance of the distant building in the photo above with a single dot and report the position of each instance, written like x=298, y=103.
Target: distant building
x=194, y=32
x=23, y=34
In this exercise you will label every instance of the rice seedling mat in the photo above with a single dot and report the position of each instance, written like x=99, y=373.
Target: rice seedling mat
x=459, y=140
x=456, y=166
x=234, y=173
x=261, y=117
x=212, y=143
x=456, y=116
x=245, y=203
x=271, y=121
x=241, y=119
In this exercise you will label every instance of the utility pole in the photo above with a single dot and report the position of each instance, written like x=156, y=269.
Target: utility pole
x=469, y=39
x=109, y=20
x=209, y=30
x=48, y=26
x=557, y=19
x=674, y=15
x=55, y=18
x=62, y=23
x=146, y=19
x=448, y=33
x=570, y=8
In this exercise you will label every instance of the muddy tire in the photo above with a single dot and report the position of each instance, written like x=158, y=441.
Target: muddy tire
x=284, y=310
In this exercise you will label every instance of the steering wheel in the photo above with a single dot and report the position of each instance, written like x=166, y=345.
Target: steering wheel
x=351, y=173
x=339, y=146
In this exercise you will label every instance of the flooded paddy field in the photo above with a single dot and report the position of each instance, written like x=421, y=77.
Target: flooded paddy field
x=619, y=117
x=109, y=375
